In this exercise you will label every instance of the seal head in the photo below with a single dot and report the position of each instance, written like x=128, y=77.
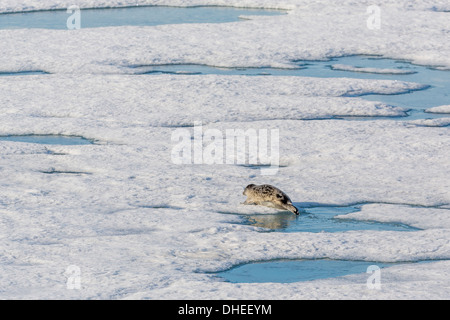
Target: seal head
x=269, y=196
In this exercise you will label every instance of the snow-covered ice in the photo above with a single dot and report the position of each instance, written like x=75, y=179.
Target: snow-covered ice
x=165, y=100
x=344, y=67
x=435, y=218
x=439, y=122
x=439, y=109
x=137, y=226
x=413, y=32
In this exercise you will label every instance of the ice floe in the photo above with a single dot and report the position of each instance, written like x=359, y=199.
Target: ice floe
x=439, y=109
x=440, y=122
x=419, y=217
x=344, y=67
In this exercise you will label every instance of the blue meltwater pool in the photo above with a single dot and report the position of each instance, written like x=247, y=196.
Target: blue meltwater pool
x=129, y=16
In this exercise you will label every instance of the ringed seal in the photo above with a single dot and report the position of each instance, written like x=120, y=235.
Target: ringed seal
x=269, y=196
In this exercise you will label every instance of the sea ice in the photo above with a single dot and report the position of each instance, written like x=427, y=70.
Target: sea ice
x=274, y=41
x=344, y=67
x=141, y=226
x=416, y=216
x=439, y=109
x=166, y=100
x=440, y=122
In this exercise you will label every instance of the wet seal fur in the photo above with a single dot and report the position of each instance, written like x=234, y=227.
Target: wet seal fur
x=269, y=196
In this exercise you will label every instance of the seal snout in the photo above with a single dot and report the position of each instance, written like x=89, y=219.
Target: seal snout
x=292, y=209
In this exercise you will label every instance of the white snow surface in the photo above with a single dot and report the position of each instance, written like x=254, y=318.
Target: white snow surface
x=409, y=30
x=439, y=109
x=177, y=100
x=138, y=226
x=345, y=67
x=439, y=122
x=435, y=218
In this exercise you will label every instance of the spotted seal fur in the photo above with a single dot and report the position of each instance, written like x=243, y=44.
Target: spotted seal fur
x=269, y=196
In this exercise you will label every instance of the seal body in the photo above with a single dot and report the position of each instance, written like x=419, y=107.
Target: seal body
x=269, y=196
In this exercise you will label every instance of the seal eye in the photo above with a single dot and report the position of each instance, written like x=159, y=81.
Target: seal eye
x=279, y=196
